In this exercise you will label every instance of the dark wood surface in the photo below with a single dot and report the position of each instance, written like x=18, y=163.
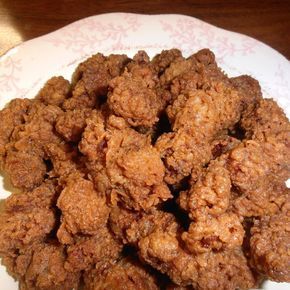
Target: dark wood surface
x=268, y=21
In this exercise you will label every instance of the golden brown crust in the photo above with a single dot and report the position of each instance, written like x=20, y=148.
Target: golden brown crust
x=84, y=210
x=146, y=174
x=270, y=242
x=125, y=274
x=54, y=92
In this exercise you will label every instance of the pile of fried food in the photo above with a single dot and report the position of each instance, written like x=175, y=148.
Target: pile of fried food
x=146, y=174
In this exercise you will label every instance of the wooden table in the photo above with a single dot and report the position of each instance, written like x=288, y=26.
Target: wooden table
x=267, y=20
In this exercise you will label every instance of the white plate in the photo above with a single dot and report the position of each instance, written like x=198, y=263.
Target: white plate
x=25, y=68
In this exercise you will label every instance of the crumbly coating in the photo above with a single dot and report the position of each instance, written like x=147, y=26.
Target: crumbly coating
x=163, y=60
x=210, y=195
x=71, y=124
x=25, y=225
x=47, y=270
x=135, y=165
x=258, y=171
x=28, y=218
x=136, y=95
x=54, y=92
x=146, y=174
x=19, y=166
x=98, y=251
x=91, y=78
x=25, y=228
x=64, y=159
x=120, y=221
x=83, y=209
x=196, y=117
x=265, y=121
x=270, y=246
x=43, y=196
x=25, y=152
x=250, y=90
x=126, y=167
x=10, y=117
x=130, y=226
x=222, y=232
x=125, y=274
x=226, y=269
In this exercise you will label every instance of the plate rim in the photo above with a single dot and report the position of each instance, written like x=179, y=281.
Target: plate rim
x=19, y=45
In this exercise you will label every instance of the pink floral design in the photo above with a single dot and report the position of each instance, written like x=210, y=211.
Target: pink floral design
x=9, y=79
x=84, y=37
x=191, y=34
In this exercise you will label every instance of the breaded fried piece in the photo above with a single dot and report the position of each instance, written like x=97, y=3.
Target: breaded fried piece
x=91, y=78
x=46, y=270
x=124, y=165
x=136, y=95
x=27, y=221
x=64, y=159
x=196, y=119
x=24, y=228
x=120, y=220
x=266, y=121
x=84, y=210
x=225, y=269
x=43, y=196
x=98, y=251
x=19, y=166
x=11, y=116
x=130, y=227
x=54, y=92
x=71, y=124
x=195, y=72
x=258, y=172
x=163, y=60
x=222, y=232
x=25, y=158
x=125, y=274
x=260, y=167
x=250, y=90
x=270, y=242
x=210, y=195
x=135, y=165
